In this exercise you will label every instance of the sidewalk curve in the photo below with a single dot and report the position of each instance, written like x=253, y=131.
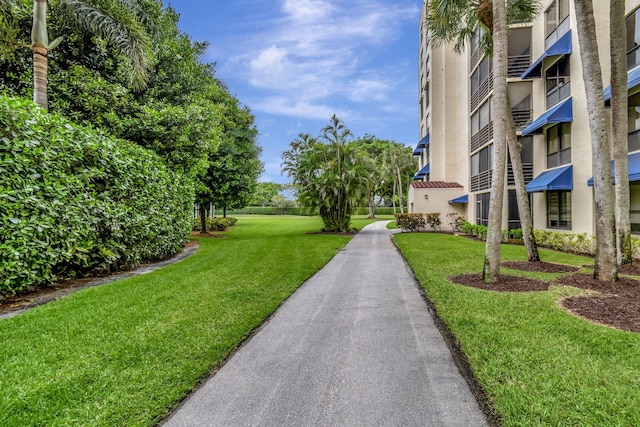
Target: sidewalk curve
x=354, y=346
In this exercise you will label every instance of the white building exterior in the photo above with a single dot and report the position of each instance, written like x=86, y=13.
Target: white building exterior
x=547, y=94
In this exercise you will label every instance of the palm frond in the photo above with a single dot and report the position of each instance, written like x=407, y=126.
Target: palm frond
x=121, y=28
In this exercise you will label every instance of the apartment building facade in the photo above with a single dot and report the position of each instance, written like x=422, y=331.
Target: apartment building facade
x=547, y=96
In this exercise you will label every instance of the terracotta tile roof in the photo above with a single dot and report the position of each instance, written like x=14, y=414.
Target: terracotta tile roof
x=435, y=184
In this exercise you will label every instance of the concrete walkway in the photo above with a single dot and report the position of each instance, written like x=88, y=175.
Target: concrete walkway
x=354, y=346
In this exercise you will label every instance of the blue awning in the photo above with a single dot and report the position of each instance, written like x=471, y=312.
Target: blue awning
x=417, y=177
x=461, y=199
x=562, y=112
x=634, y=169
x=424, y=170
x=552, y=180
x=418, y=151
x=423, y=142
x=633, y=80
x=561, y=47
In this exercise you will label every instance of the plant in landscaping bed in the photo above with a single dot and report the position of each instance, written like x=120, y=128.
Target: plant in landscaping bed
x=433, y=220
x=410, y=222
x=455, y=220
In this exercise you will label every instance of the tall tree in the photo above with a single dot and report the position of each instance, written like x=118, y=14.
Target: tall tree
x=328, y=174
x=606, y=268
x=457, y=22
x=119, y=23
x=501, y=122
x=619, y=125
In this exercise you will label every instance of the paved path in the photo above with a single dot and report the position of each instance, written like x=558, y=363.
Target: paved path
x=354, y=346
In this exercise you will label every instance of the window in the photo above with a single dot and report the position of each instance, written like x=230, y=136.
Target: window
x=633, y=39
x=482, y=208
x=481, y=118
x=481, y=165
x=634, y=129
x=559, y=209
x=558, y=79
x=634, y=207
x=559, y=145
x=554, y=16
x=481, y=74
x=526, y=156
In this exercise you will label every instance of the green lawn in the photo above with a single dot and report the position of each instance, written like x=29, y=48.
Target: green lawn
x=538, y=364
x=125, y=353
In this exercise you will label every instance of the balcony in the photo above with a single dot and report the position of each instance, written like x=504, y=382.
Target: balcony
x=482, y=181
x=527, y=170
x=518, y=64
x=483, y=91
x=522, y=117
x=482, y=137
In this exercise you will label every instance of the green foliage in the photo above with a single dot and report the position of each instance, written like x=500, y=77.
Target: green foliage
x=328, y=174
x=216, y=224
x=411, y=222
x=479, y=231
x=567, y=242
x=73, y=201
x=433, y=220
x=264, y=193
x=455, y=220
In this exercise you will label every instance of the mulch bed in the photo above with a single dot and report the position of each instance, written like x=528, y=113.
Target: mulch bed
x=506, y=284
x=208, y=235
x=615, y=304
x=539, y=267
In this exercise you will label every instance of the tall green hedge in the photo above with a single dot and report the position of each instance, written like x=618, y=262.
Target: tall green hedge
x=74, y=201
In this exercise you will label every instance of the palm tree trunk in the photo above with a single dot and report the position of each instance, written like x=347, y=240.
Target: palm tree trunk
x=40, y=42
x=401, y=203
x=521, y=192
x=372, y=205
x=606, y=268
x=500, y=108
x=393, y=197
x=619, y=125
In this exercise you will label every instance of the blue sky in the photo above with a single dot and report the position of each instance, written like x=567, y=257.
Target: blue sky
x=295, y=63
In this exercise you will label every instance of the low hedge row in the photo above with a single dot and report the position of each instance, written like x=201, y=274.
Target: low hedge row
x=273, y=210
x=74, y=201
x=216, y=224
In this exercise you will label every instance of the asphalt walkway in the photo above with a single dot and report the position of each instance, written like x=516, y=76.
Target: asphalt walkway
x=354, y=346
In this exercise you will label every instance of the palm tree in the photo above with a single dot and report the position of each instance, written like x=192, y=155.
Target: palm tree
x=457, y=22
x=606, y=268
x=500, y=105
x=328, y=174
x=619, y=124
x=119, y=23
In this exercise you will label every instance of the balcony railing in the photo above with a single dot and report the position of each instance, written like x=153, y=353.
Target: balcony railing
x=485, y=88
x=482, y=181
x=474, y=58
x=482, y=137
x=518, y=64
x=522, y=117
x=527, y=170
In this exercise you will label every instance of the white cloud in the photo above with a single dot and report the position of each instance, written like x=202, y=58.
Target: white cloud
x=296, y=107
x=307, y=10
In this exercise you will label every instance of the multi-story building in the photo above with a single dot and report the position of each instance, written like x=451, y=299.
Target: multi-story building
x=547, y=95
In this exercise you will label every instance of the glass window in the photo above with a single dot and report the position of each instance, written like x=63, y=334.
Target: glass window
x=559, y=209
x=558, y=145
x=482, y=208
x=634, y=207
x=475, y=164
x=557, y=11
x=633, y=39
x=558, y=77
x=485, y=114
x=634, y=129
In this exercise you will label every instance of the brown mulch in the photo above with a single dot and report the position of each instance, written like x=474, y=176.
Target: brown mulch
x=506, y=284
x=616, y=304
x=539, y=267
x=208, y=235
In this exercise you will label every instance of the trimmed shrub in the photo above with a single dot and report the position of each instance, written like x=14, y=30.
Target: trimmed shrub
x=455, y=221
x=410, y=222
x=74, y=201
x=433, y=220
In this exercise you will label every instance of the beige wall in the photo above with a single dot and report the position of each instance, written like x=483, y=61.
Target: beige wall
x=431, y=200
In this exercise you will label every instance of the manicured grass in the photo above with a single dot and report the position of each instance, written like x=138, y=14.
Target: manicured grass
x=539, y=364
x=124, y=353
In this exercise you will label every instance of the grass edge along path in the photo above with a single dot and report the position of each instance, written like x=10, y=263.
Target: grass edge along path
x=538, y=364
x=127, y=352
